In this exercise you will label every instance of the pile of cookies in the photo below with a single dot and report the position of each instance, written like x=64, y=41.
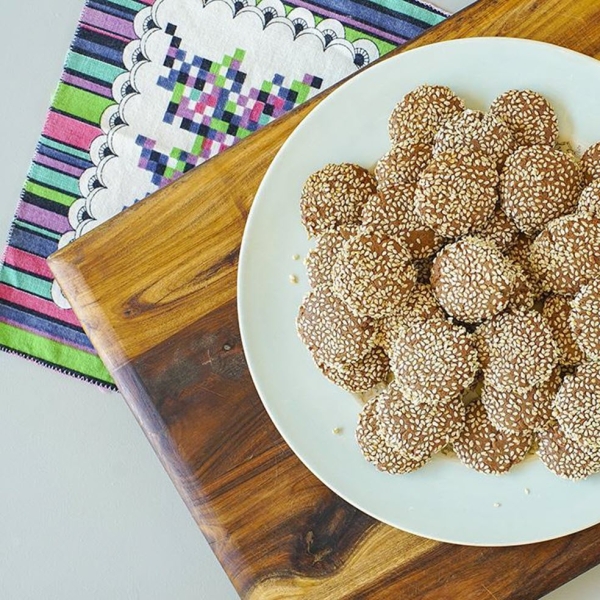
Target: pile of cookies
x=458, y=286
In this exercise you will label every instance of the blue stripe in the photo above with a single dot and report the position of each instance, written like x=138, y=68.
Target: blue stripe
x=104, y=53
x=43, y=325
x=111, y=9
x=65, y=158
x=384, y=22
x=30, y=242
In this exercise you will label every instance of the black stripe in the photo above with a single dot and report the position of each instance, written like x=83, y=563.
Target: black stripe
x=50, y=205
x=25, y=272
x=41, y=234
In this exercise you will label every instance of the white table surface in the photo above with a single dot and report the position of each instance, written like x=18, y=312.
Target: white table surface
x=86, y=510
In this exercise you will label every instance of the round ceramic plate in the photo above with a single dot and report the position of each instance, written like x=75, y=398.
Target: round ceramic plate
x=444, y=500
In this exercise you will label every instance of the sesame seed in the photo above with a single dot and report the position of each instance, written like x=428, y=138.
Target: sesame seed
x=293, y=278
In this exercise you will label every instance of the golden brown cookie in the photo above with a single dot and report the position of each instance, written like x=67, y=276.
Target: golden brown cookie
x=584, y=320
x=477, y=132
x=486, y=449
x=392, y=212
x=373, y=273
x=331, y=331
x=565, y=457
x=334, y=196
x=402, y=164
x=376, y=450
x=517, y=350
x=418, y=116
x=556, y=311
x=564, y=256
x=577, y=405
x=472, y=279
x=435, y=361
x=529, y=116
x=456, y=193
x=538, y=184
x=418, y=430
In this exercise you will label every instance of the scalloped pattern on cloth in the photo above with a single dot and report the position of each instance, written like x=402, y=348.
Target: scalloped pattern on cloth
x=183, y=99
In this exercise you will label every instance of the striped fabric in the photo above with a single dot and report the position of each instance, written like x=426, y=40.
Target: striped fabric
x=31, y=324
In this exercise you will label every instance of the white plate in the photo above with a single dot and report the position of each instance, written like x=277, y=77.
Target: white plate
x=444, y=500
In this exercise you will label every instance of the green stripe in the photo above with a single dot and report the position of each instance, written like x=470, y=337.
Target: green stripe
x=26, y=282
x=137, y=6
x=353, y=34
x=44, y=192
x=79, y=103
x=417, y=12
x=53, y=352
x=92, y=66
x=59, y=180
x=44, y=232
x=64, y=148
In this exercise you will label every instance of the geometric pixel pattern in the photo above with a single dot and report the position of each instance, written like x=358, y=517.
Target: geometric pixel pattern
x=209, y=99
x=164, y=167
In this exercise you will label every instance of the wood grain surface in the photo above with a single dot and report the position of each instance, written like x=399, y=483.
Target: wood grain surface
x=162, y=315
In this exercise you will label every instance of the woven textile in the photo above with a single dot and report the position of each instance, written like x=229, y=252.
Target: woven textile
x=150, y=90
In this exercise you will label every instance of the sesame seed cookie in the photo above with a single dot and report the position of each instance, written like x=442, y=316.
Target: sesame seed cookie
x=435, y=361
x=475, y=131
x=418, y=116
x=321, y=258
x=392, y=212
x=565, y=457
x=590, y=163
x=517, y=350
x=334, y=196
x=361, y=375
x=518, y=410
x=472, y=279
x=538, y=184
x=529, y=116
x=556, y=311
x=402, y=164
x=577, y=405
x=589, y=200
x=456, y=193
x=418, y=305
x=565, y=255
x=331, y=331
x=525, y=292
x=418, y=430
x=486, y=449
x=499, y=229
x=376, y=450
x=372, y=273
x=584, y=320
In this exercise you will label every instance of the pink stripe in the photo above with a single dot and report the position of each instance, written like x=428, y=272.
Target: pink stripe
x=58, y=165
x=108, y=23
x=70, y=131
x=29, y=262
x=105, y=33
x=45, y=307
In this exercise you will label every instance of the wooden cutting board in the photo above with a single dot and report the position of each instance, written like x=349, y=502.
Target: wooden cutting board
x=155, y=289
